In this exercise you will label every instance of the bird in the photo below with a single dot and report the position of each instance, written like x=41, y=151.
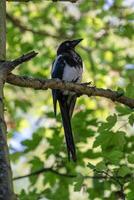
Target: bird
x=68, y=67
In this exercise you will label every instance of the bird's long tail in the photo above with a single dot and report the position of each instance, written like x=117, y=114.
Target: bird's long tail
x=67, y=129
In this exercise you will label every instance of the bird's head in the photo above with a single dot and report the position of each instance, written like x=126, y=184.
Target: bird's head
x=68, y=45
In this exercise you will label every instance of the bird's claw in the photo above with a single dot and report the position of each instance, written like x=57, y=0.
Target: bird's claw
x=87, y=83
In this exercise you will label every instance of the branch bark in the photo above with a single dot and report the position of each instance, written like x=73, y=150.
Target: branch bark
x=6, y=185
x=42, y=84
x=8, y=66
x=2, y=29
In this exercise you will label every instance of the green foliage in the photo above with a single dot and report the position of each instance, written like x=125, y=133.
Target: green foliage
x=101, y=166
x=79, y=182
x=31, y=144
x=123, y=171
x=131, y=158
x=131, y=119
x=111, y=120
x=103, y=130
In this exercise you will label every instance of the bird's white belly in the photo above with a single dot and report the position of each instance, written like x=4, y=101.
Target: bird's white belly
x=71, y=74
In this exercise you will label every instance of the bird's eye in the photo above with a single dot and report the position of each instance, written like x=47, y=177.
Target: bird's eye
x=67, y=44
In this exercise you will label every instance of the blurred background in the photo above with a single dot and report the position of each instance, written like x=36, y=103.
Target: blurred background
x=36, y=138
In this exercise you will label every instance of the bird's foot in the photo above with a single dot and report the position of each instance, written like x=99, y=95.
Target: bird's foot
x=87, y=83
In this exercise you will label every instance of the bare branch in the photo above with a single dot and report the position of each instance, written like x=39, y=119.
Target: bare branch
x=43, y=84
x=20, y=60
x=8, y=66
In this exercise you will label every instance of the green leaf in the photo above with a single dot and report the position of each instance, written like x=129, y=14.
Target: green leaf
x=31, y=144
x=113, y=157
x=118, y=140
x=110, y=140
x=130, y=90
x=79, y=182
x=28, y=195
x=91, y=166
x=130, y=16
x=120, y=92
x=101, y=166
x=102, y=140
x=122, y=110
x=111, y=121
x=123, y=171
x=131, y=119
x=37, y=164
x=130, y=158
x=14, y=156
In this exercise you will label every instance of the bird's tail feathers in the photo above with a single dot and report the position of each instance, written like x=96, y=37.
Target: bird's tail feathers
x=54, y=93
x=68, y=130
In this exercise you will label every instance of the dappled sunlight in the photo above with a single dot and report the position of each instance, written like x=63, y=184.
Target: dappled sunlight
x=103, y=129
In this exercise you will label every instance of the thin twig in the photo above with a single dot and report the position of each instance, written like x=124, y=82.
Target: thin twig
x=65, y=175
x=116, y=180
x=40, y=171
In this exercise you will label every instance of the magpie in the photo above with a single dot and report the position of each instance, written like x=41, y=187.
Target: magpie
x=67, y=67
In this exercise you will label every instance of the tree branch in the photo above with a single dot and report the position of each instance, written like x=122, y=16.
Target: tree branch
x=2, y=30
x=42, y=84
x=6, y=184
x=40, y=171
x=11, y=65
x=102, y=175
x=19, y=0
x=8, y=66
x=51, y=170
x=72, y=1
x=24, y=28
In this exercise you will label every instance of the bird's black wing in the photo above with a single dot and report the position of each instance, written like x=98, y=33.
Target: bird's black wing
x=57, y=72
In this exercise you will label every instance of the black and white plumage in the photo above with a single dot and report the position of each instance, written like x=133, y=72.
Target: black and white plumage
x=67, y=67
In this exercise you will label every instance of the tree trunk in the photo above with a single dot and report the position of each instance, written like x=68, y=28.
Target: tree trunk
x=6, y=184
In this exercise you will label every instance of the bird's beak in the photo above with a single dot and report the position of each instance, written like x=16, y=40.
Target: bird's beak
x=75, y=42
